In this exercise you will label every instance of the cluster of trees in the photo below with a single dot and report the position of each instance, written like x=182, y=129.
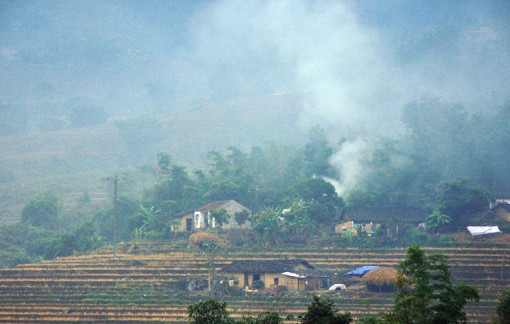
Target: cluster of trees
x=285, y=186
x=44, y=233
x=428, y=168
x=270, y=181
x=424, y=294
x=442, y=142
x=320, y=311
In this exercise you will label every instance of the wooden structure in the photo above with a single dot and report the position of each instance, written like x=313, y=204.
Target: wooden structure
x=293, y=274
x=366, y=220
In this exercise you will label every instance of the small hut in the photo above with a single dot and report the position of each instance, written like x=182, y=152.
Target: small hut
x=382, y=279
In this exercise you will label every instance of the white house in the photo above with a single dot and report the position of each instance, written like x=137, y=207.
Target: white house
x=202, y=216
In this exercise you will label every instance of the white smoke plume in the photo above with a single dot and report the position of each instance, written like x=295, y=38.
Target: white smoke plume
x=348, y=161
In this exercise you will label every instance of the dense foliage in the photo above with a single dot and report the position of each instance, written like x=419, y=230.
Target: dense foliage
x=324, y=312
x=503, y=309
x=287, y=187
x=209, y=312
x=214, y=312
x=425, y=292
x=42, y=210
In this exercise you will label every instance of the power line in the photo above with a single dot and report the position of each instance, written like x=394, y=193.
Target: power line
x=212, y=246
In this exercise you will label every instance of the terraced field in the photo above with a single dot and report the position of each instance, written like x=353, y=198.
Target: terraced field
x=144, y=283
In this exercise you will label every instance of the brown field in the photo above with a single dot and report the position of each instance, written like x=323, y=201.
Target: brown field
x=141, y=285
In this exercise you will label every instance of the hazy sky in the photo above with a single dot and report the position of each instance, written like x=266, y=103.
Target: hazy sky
x=353, y=64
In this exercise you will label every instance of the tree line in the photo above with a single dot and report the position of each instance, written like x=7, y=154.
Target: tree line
x=435, y=166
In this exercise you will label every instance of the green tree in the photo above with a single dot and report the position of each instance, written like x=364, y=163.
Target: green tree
x=317, y=153
x=424, y=291
x=209, y=312
x=436, y=220
x=324, y=312
x=320, y=197
x=86, y=237
x=220, y=216
x=162, y=172
x=61, y=246
x=439, y=140
x=264, y=318
x=361, y=197
x=42, y=210
x=151, y=222
x=370, y=320
x=268, y=223
x=241, y=217
x=297, y=219
x=503, y=308
x=458, y=199
x=223, y=189
x=127, y=219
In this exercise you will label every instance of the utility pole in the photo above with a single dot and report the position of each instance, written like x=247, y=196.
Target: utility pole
x=503, y=265
x=212, y=246
x=115, y=180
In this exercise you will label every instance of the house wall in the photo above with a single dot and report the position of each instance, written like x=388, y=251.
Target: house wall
x=346, y=228
x=350, y=228
x=314, y=283
x=182, y=225
x=233, y=207
x=380, y=288
x=203, y=219
x=246, y=279
x=268, y=279
x=240, y=279
x=502, y=214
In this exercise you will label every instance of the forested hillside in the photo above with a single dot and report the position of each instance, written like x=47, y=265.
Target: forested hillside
x=294, y=112
x=450, y=169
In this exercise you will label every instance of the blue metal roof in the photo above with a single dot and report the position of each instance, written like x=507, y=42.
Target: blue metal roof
x=361, y=270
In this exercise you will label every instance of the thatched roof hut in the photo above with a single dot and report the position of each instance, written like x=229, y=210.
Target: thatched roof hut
x=382, y=279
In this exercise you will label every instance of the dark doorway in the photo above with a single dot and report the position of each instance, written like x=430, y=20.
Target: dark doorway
x=189, y=224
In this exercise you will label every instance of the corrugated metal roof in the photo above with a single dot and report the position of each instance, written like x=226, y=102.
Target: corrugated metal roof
x=482, y=230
